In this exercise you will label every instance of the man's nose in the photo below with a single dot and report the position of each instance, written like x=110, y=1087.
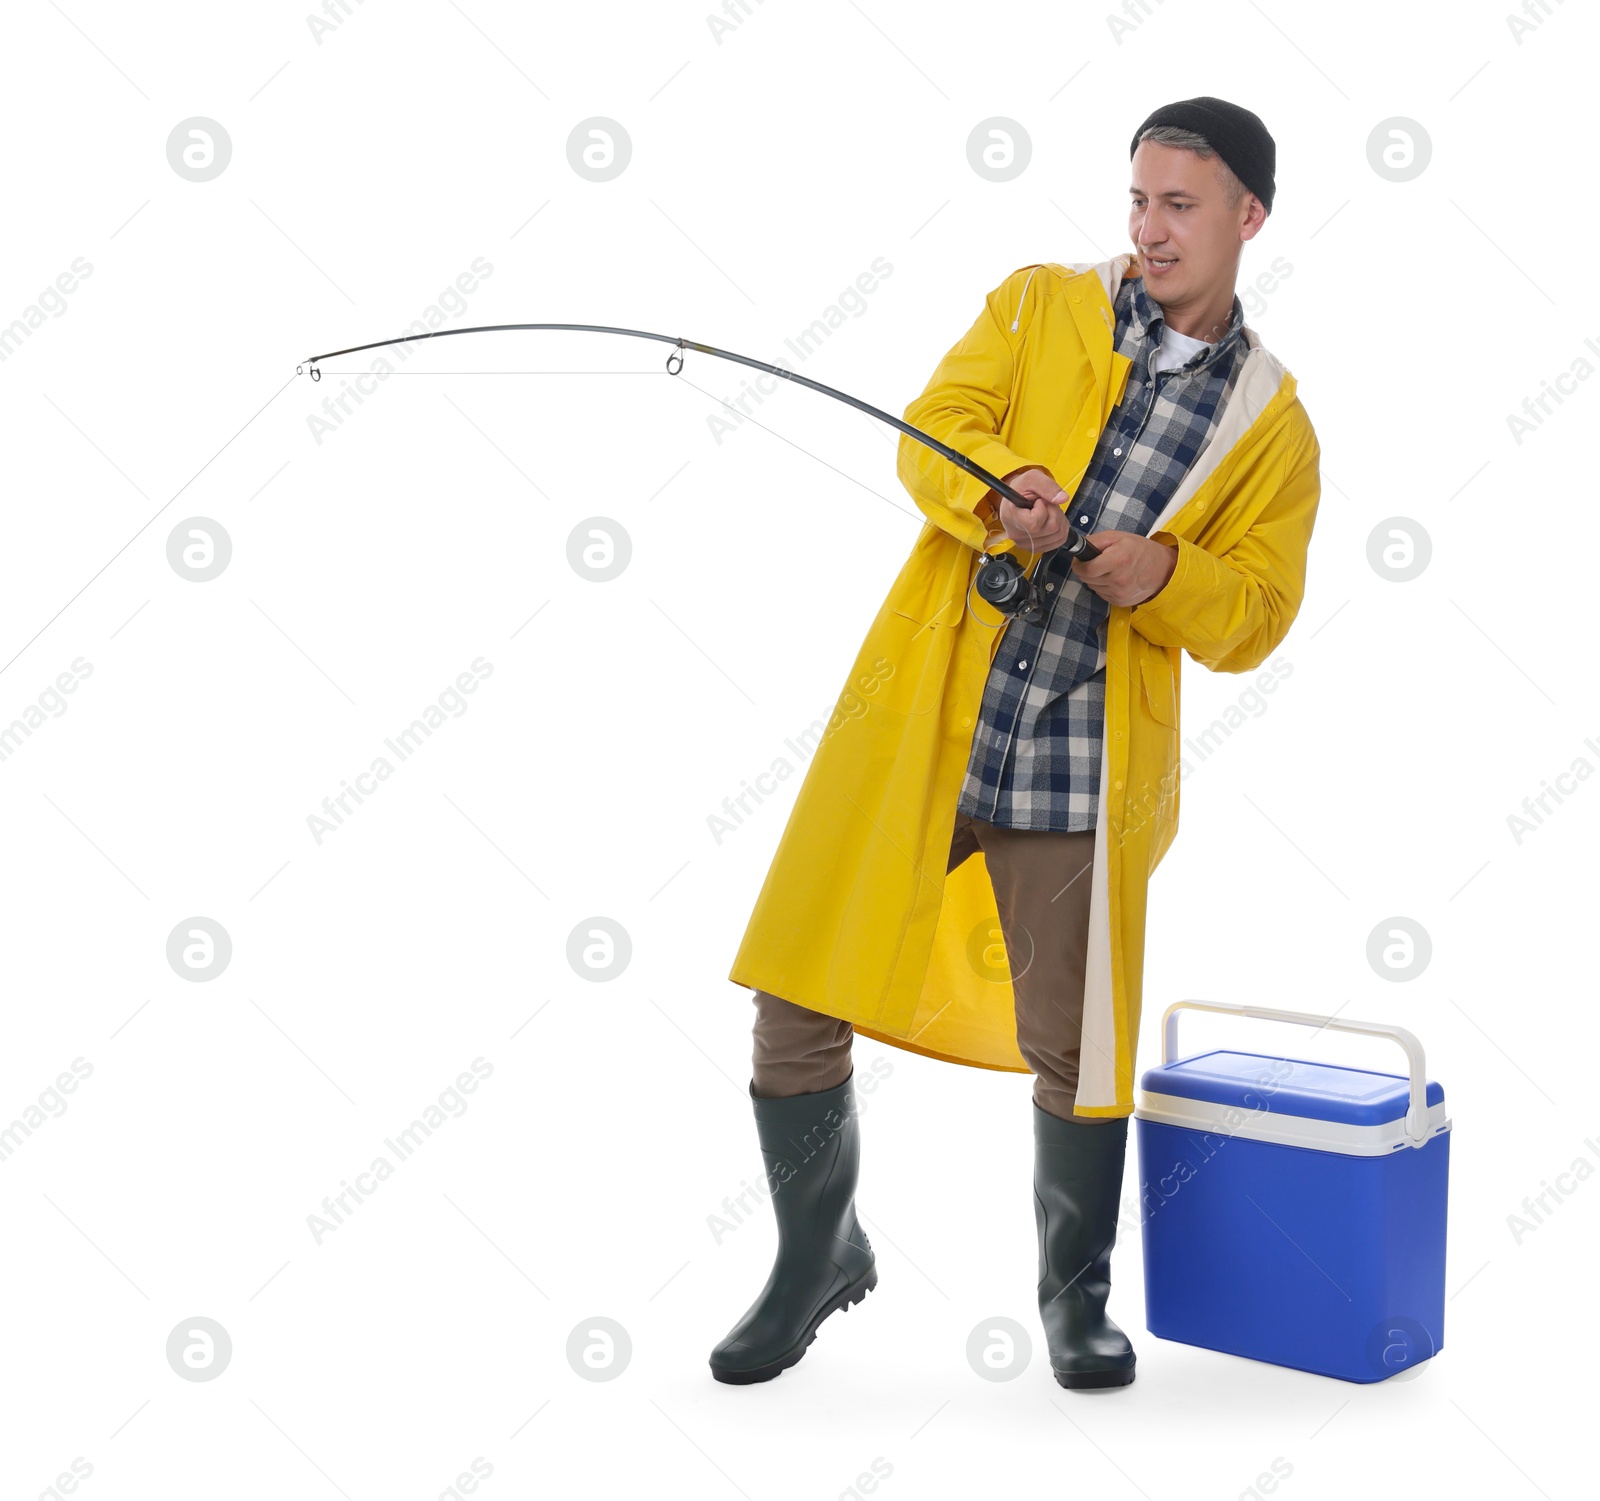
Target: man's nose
x=1152, y=229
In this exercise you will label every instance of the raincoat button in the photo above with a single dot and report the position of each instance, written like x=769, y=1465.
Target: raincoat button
x=1076, y=298
x=1117, y=785
x=967, y=720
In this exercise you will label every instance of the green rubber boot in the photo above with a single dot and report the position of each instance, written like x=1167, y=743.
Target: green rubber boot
x=1077, y=1181
x=812, y=1147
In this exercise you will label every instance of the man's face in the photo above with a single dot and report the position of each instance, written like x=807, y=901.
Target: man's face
x=1177, y=214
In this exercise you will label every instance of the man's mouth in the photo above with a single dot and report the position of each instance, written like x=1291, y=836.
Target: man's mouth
x=1158, y=264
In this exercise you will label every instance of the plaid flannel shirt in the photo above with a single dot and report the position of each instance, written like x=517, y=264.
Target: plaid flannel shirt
x=1035, y=760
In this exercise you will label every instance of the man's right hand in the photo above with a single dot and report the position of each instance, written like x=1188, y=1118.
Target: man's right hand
x=1043, y=525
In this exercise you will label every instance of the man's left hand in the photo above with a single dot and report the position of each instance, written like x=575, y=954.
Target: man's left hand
x=1130, y=568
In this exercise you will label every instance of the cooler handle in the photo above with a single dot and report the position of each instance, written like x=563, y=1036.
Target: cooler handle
x=1416, y=1117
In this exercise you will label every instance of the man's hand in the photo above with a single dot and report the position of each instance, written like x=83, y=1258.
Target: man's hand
x=1043, y=525
x=1130, y=568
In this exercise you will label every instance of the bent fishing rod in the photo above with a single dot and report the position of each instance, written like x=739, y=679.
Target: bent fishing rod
x=1001, y=580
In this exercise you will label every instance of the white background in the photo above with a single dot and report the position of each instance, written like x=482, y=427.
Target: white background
x=430, y=528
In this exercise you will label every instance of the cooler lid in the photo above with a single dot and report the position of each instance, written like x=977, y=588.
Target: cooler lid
x=1259, y=1082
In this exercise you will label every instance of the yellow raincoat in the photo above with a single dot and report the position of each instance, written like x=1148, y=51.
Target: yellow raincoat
x=856, y=917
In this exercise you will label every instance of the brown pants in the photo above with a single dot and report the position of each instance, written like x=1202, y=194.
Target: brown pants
x=1041, y=881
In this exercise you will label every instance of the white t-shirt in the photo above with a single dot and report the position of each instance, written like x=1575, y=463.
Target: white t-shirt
x=1177, y=349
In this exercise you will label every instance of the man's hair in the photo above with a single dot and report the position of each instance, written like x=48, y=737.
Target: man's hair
x=1191, y=140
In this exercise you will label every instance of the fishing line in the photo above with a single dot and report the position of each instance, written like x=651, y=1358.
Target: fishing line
x=1000, y=579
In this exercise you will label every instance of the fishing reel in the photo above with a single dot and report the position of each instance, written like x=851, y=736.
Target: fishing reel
x=1004, y=583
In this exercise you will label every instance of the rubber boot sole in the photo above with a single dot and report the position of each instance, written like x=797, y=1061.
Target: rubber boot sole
x=1087, y=1381
x=852, y=1294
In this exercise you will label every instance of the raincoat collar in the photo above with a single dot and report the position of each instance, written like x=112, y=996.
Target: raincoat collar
x=1096, y=320
x=1111, y=274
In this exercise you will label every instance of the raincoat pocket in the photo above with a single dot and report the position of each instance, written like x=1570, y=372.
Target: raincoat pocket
x=1160, y=692
x=918, y=654
x=1152, y=802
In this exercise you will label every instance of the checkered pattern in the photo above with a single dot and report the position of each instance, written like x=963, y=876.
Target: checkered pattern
x=1035, y=761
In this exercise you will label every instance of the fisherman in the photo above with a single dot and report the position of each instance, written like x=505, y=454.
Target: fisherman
x=964, y=870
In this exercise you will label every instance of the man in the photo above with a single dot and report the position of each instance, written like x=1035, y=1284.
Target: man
x=964, y=872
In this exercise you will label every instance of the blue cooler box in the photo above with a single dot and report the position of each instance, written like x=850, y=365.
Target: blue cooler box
x=1293, y=1211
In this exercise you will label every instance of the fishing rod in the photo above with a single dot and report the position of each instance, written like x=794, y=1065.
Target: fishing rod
x=1001, y=580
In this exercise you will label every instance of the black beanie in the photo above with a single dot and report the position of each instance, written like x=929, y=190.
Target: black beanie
x=1236, y=135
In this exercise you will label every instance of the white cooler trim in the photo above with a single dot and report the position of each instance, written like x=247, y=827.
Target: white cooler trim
x=1287, y=1130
